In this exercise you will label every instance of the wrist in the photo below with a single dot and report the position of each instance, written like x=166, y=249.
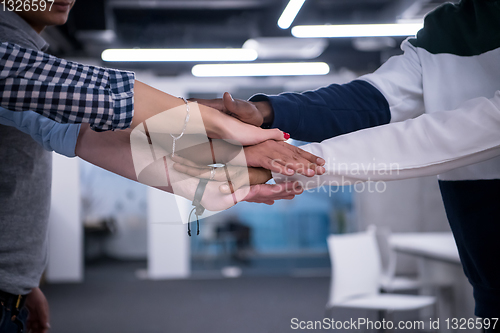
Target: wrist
x=266, y=110
x=211, y=120
x=259, y=175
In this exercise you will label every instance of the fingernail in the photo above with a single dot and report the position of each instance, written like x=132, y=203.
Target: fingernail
x=320, y=161
x=321, y=170
x=310, y=172
x=290, y=171
x=224, y=188
x=287, y=136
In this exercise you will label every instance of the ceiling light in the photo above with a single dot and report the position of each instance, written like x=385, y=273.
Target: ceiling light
x=262, y=69
x=372, y=44
x=287, y=47
x=137, y=55
x=356, y=30
x=289, y=14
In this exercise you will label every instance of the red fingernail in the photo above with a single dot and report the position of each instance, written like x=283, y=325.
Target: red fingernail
x=287, y=136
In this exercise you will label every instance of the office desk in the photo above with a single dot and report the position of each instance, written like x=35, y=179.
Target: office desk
x=440, y=272
x=431, y=245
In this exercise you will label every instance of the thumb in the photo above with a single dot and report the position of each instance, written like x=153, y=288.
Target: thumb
x=217, y=104
x=229, y=101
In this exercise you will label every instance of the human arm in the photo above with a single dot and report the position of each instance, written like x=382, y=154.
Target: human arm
x=50, y=135
x=65, y=91
x=107, y=99
x=312, y=116
x=427, y=145
x=392, y=93
x=112, y=151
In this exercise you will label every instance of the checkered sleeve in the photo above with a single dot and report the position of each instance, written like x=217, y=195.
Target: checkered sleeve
x=65, y=91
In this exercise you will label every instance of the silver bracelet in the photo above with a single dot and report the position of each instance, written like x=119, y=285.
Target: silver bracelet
x=183, y=129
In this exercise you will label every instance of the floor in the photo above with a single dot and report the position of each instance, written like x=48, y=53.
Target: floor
x=114, y=299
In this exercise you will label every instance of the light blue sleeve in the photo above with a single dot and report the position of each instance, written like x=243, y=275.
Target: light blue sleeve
x=53, y=136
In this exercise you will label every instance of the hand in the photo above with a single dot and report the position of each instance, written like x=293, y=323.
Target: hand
x=164, y=114
x=213, y=199
x=276, y=156
x=283, y=158
x=220, y=125
x=114, y=151
x=254, y=113
x=260, y=193
x=234, y=177
x=269, y=193
x=38, y=319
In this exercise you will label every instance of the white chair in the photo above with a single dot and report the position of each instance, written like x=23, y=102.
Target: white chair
x=389, y=281
x=356, y=271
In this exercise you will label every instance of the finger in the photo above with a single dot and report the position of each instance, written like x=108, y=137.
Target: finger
x=286, y=159
x=318, y=170
x=192, y=171
x=266, y=192
x=261, y=135
x=181, y=160
x=44, y=325
x=310, y=157
x=302, y=167
x=278, y=166
x=292, y=188
x=303, y=162
x=217, y=103
x=290, y=163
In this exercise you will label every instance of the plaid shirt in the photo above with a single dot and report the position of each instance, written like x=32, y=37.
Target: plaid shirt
x=65, y=91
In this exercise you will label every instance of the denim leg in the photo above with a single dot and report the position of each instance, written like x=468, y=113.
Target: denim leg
x=16, y=326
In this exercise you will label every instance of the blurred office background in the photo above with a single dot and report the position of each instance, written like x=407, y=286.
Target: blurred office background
x=119, y=265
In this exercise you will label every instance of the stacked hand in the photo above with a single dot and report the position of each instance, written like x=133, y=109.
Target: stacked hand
x=164, y=124
x=238, y=155
x=252, y=164
x=252, y=167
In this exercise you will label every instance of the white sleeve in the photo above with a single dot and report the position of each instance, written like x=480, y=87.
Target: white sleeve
x=399, y=79
x=424, y=146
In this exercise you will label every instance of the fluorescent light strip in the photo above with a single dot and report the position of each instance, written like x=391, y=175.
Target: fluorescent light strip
x=356, y=30
x=261, y=69
x=290, y=13
x=169, y=55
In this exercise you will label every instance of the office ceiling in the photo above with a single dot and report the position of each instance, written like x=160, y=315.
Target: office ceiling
x=95, y=25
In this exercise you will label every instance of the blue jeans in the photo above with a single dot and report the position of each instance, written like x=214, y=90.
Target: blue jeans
x=16, y=326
